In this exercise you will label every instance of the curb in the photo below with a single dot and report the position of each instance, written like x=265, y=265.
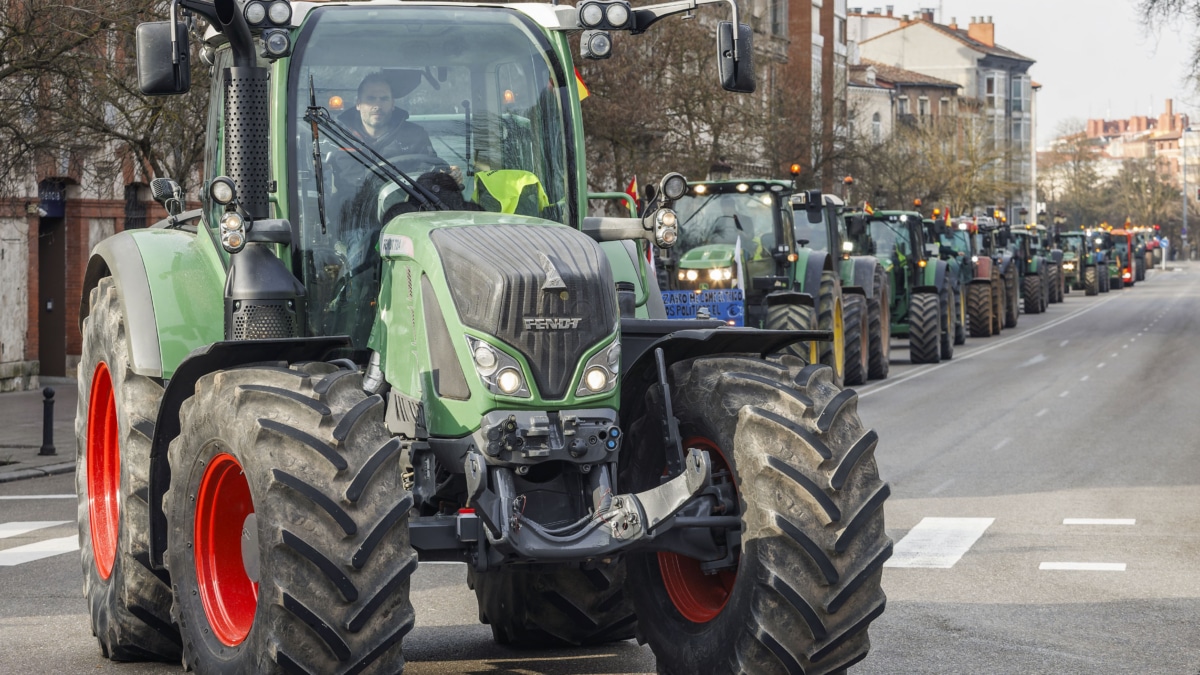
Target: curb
x=39, y=472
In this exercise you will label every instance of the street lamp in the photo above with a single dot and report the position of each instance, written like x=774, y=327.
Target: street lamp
x=1059, y=220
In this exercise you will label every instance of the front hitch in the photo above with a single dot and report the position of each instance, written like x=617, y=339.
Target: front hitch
x=625, y=519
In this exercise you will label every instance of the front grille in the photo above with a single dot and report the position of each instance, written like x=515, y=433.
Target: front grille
x=263, y=320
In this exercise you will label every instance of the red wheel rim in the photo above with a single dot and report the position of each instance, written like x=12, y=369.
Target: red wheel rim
x=697, y=596
x=103, y=471
x=223, y=503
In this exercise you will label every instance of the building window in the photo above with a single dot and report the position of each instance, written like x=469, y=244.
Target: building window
x=876, y=128
x=779, y=18
x=902, y=106
x=989, y=91
x=944, y=107
x=923, y=106
x=135, y=208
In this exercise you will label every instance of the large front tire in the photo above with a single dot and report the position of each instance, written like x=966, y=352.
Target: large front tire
x=831, y=317
x=129, y=602
x=979, y=309
x=1012, y=298
x=1091, y=282
x=288, y=542
x=1031, y=289
x=806, y=581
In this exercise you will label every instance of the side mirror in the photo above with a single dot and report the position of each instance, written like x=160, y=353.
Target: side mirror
x=813, y=204
x=856, y=227
x=737, y=74
x=163, y=62
x=168, y=193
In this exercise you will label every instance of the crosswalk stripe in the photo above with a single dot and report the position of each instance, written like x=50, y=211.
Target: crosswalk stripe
x=938, y=543
x=16, y=529
x=38, y=550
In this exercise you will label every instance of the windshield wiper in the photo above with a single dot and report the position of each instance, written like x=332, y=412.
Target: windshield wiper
x=318, y=171
x=319, y=117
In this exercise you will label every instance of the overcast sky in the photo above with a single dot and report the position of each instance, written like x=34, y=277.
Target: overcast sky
x=1094, y=57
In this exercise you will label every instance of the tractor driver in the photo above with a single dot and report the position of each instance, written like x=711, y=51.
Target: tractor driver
x=378, y=122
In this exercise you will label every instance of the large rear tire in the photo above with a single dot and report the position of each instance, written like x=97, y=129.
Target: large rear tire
x=806, y=582
x=288, y=542
x=831, y=317
x=857, y=339
x=1091, y=283
x=924, y=328
x=129, y=603
x=793, y=317
x=879, y=320
x=999, y=301
x=947, y=311
x=549, y=608
x=979, y=309
x=1012, y=298
x=1031, y=289
x=1054, y=278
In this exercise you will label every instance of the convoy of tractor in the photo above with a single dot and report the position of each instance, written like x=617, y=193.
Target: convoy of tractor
x=358, y=356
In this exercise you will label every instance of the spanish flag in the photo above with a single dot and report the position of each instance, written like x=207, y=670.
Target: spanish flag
x=583, y=90
x=632, y=191
x=867, y=209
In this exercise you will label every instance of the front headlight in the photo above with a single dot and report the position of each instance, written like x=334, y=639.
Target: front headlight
x=498, y=371
x=720, y=274
x=600, y=372
x=692, y=275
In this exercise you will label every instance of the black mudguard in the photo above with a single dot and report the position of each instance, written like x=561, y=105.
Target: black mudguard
x=208, y=359
x=863, y=276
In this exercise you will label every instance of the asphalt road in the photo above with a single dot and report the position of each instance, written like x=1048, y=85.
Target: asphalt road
x=1045, y=486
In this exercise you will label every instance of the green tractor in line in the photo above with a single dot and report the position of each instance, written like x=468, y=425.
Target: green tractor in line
x=1108, y=265
x=1047, y=246
x=923, y=286
x=980, y=282
x=1032, y=267
x=1080, y=270
x=350, y=361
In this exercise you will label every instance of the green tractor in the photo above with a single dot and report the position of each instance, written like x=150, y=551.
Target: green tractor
x=1032, y=267
x=923, y=287
x=1052, y=254
x=1108, y=266
x=742, y=258
x=1080, y=259
x=351, y=360
x=982, y=289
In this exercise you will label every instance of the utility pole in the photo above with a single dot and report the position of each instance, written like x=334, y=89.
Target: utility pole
x=1183, y=172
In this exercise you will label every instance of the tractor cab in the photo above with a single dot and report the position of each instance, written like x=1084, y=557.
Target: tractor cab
x=731, y=232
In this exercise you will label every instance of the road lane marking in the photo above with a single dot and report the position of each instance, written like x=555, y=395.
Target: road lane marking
x=1064, y=394
x=1084, y=378
x=1114, y=355
x=1041, y=412
x=1100, y=365
x=1064, y=343
x=38, y=550
x=1033, y=361
x=1003, y=442
x=998, y=345
x=16, y=497
x=938, y=543
x=1083, y=566
x=16, y=529
x=1125, y=346
x=941, y=487
x=1099, y=521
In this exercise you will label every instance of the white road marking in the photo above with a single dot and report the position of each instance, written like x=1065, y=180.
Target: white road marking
x=1082, y=567
x=1064, y=343
x=1125, y=346
x=926, y=371
x=1114, y=355
x=18, y=497
x=1041, y=412
x=938, y=543
x=1064, y=394
x=1003, y=442
x=1084, y=378
x=941, y=487
x=1100, y=365
x=17, y=529
x=38, y=550
x=1033, y=361
x=1099, y=521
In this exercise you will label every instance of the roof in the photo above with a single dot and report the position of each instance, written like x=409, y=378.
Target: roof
x=962, y=36
x=906, y=78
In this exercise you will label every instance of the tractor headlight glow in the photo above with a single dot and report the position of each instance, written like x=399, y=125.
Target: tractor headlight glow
x=1068, y=266
x=666, y=228
x=485, y=359
x=232, y=221
x=675, y=186
x=222, y=190
x=600, y=371
x=847, y=246
x=720, y=274
x=509, y=381
x=692, y=275
x=617, y=14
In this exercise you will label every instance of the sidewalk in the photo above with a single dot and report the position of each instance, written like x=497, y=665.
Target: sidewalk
x=21, y=431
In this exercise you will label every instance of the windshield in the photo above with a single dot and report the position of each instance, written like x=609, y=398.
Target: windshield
x=1072, y=243
x=723, y=218
x=466, y=103
x=889, y=235
x=959, y=240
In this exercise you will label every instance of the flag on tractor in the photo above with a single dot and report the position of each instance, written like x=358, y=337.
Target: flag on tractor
x=867, y=209
x=583, y=90
x=632, y=191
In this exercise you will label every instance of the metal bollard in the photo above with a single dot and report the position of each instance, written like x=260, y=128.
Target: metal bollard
x=47, y=422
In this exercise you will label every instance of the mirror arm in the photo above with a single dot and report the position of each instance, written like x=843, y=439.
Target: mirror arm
x=644, y=17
